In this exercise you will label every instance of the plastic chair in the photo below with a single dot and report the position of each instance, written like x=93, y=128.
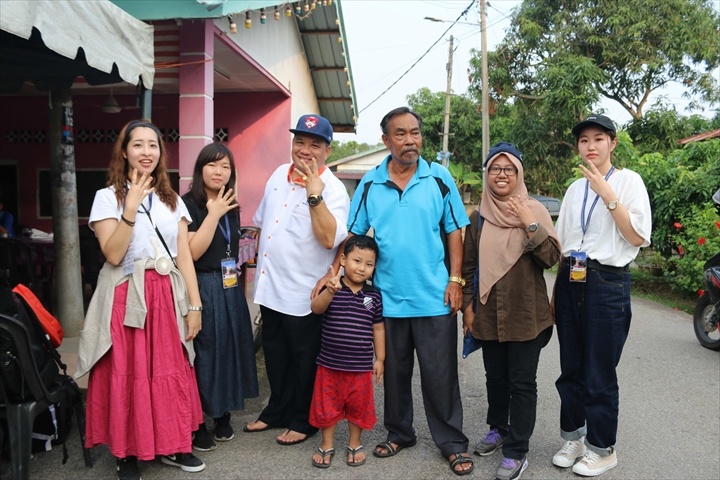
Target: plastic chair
x=21, y=413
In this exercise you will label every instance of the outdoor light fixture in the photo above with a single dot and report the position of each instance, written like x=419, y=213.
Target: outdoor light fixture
x=111, y=105
x=288, y=11
x=306, y=8
x=263, y=17
x=233, y=25
x=298, y=10
x=248, y=21
x=276, y=15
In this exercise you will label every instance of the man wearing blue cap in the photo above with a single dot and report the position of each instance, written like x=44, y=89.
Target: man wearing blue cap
x=303, y=216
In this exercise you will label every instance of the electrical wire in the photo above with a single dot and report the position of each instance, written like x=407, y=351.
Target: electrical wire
x=419, y=59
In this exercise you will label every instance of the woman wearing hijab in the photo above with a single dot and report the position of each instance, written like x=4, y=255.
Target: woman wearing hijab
x=514, y=244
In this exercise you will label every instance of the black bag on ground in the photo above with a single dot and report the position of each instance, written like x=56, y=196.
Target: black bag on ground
x=52, y=426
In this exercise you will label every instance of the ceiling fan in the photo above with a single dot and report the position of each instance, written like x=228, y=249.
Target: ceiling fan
x=111, y=105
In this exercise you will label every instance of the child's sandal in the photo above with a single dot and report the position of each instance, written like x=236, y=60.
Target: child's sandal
x=330, y=452
x=353, y=452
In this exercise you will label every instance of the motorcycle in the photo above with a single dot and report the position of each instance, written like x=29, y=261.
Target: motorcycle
x=706, y=319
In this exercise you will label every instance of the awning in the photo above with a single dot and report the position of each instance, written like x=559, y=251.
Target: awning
x=111, y=40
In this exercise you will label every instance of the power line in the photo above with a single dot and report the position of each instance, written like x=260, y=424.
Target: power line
x=419, y=59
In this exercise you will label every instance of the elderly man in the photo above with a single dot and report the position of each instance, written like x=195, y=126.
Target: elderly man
x=303, y=216
x=416, y=213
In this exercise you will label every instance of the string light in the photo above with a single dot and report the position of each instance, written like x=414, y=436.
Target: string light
x=298, y=10
x=288, y=11
x=306, y=8
x=248, y=21
x=313, y=5
x=324, y=3
x=276, y=15
x=263, y=17
x=329, y=2
x=233, y=25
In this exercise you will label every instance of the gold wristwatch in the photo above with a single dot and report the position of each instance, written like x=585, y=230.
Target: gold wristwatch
x=459, y=280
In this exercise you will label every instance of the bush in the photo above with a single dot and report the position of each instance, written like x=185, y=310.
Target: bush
x=696, y=238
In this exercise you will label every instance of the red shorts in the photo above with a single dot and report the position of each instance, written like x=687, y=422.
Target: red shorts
x=339, y=395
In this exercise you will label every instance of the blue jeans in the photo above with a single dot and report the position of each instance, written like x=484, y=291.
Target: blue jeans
x=593, y=320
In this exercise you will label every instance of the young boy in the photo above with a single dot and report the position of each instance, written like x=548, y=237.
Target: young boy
x=352, y=324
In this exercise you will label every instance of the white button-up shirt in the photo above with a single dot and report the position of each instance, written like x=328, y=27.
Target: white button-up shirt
x=290, y=258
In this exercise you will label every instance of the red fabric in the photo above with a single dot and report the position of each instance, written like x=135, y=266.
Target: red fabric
x=142, y=397
x=49, y=323
x=339, y=395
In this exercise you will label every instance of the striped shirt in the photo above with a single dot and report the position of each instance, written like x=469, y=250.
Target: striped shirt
x=347, y=329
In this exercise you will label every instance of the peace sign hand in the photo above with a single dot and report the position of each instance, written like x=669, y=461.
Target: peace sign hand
x=139, y=189
x=313, y=183
x=596, y=180
x=223, y=203
x=333, y=283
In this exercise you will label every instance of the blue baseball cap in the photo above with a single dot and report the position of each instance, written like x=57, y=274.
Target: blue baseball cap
x=503, y=147
x=313, y=124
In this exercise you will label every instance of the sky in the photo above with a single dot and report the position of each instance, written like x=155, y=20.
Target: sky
x=386, y=37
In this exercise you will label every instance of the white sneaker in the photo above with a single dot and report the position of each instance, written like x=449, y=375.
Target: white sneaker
x=592, y=464
x=569, y=453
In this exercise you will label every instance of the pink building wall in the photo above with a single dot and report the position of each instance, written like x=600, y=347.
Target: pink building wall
x=257, y=126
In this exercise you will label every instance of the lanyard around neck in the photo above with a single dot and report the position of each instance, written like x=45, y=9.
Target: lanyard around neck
x=226, y=234
x=585, y=222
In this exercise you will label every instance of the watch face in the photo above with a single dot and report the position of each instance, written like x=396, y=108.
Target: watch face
x=612, y=205
x=314, y=200
x=533, y=227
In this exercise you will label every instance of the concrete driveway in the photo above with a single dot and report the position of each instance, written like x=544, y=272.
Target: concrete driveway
x=669, y=423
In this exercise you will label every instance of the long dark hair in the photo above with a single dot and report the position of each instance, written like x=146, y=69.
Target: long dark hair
x=118, y=168
x=210, y=153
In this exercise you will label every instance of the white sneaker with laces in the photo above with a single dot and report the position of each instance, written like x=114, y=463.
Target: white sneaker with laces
x=569, y=453
x=592, y=464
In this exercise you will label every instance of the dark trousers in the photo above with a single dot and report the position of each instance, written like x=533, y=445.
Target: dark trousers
x=291, y=345
x=510, y=378
x=593, y=321
x=434, y=339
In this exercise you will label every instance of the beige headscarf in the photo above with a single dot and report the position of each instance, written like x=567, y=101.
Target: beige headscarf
x=503, y=236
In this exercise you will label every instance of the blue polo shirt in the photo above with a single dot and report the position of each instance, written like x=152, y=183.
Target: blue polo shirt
x=410, y=271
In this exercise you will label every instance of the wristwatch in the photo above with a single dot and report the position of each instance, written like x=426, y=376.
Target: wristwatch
x=314, y=200
x=459, y=280
x=612, y=205
x=533, y=227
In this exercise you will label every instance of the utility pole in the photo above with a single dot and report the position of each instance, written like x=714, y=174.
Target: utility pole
x=484, y=73
x=448, y=92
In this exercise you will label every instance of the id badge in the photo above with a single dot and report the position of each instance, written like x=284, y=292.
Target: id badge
x=578, y=266
x=228, y=267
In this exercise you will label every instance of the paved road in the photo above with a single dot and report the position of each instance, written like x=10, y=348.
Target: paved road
x=669, y=423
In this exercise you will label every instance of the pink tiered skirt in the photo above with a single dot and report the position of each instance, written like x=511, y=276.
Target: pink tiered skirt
x=142, y=397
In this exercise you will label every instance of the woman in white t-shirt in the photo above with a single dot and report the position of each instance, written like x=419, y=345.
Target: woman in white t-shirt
x=142, y=397
x=603, y=222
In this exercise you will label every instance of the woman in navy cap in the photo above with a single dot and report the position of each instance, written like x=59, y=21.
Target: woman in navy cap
x=516, y=243
x=603, y=222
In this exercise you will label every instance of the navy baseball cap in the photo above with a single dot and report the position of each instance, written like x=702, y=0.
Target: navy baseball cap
x=594, y=120
x=503, y=147
x=313, y=124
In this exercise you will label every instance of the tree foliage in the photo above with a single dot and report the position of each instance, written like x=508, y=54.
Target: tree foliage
x=465, y=140
x=348, y=149
x=565, y=52
x=660, y=129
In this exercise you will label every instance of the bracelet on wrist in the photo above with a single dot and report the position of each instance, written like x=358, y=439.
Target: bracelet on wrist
x=128, y=222
x=195, y=308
